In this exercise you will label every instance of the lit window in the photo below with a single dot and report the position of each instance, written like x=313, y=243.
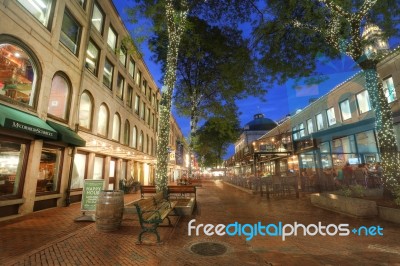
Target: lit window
x=345, y=110
x=140, y=144
x=116, y=127
x=97, y=18
x=40, y=9
x=79, y=170
x=330, y=113
x=127, y=129
x=320, y=122
x=295, y=133
x=18, y=74
x=59, y=97
x=70, y=32
x=120, y=86
x=92, y=57
x=49, y=170
x=310, y=126
x=102, y=124
x=85, y=111
x=389, y=90
x=134, y=137
x=108, y=74
x=112, y=39
x=363, y=102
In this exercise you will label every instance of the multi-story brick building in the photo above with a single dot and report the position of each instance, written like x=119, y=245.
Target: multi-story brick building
x=77, y=102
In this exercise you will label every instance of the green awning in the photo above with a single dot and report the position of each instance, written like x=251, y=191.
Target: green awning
x=67, y=135
x=21, y=121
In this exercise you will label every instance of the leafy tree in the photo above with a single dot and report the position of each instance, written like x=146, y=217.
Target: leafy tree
x=293, y=35
x=214, y=137
x=170, y=16
x=215, y=68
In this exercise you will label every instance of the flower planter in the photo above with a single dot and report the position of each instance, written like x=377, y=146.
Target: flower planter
x=346, y=205
x=389, y=214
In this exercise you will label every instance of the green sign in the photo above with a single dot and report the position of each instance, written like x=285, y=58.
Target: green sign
x=90, y=193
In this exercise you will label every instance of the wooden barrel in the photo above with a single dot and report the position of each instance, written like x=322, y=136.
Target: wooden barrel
x=109, y=210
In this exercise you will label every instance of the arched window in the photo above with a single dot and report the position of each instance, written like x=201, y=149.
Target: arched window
x=144, y=144
x=134, y=137
x=116, y=127
x=127, y=128
x=140, y=146
x=19, y=74
x=86, y=110
x=59, y=97
x=102, y=124
x=151, y=147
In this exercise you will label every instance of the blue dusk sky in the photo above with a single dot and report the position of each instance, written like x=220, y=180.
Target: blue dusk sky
x=279, y=101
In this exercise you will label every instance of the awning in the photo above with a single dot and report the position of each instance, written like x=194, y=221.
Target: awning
x=21, y=121
x=67, y=135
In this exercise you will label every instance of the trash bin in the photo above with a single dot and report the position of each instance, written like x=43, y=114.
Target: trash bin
x=109, y=210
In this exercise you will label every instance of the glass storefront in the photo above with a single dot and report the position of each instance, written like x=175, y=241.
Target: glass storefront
x=49, y=169
x=79, y=171
x=12, y=157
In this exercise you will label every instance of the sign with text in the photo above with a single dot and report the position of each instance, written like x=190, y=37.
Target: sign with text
x=90, y=193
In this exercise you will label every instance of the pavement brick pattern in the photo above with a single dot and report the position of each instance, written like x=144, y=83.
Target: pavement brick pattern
x=65, y=242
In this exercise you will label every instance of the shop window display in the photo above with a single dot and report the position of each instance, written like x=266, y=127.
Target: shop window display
x=12, y=156
x=49, y=170
x=18, y=74
x=79, y=171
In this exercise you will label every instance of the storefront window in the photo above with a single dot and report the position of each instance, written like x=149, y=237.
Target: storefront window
x=308, y=161
x=111, y=174
x=59, y=97
x=389, y=90
x=79, y=171
x=40, y=9
x=98, y=168
x=85, y=111
x=366, y=142
x=12, y=157
x=102, y=125
x=70, y=32
x=345, y=110
x=344, y=145
x=123, y=170
x=363, y=102
x=18, y=74
x=326, y=159
x=49, y=170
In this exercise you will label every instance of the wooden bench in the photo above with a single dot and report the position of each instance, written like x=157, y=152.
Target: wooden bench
x=147, y=190
x=195, y=182
x=152, y=212
x=182, y=191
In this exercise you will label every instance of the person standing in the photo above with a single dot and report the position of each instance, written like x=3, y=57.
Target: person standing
x=347, y=174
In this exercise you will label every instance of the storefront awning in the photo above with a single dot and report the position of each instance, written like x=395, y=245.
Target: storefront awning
x=67, y=135
x=21, y=121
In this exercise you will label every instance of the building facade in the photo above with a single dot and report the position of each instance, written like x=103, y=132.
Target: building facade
x=77, y=102
x=336, y=129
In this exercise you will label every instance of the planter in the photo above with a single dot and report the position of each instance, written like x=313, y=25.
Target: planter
x=185, y=206
x=389, y=214
x=351, y=206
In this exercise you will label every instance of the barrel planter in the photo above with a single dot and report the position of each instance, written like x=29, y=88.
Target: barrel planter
x=109, y=210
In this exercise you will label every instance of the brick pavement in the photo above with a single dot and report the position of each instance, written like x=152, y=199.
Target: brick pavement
x=218, y=203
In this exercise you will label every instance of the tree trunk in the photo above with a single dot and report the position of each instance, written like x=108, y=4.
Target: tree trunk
x=175, y=31
x=384, y=127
